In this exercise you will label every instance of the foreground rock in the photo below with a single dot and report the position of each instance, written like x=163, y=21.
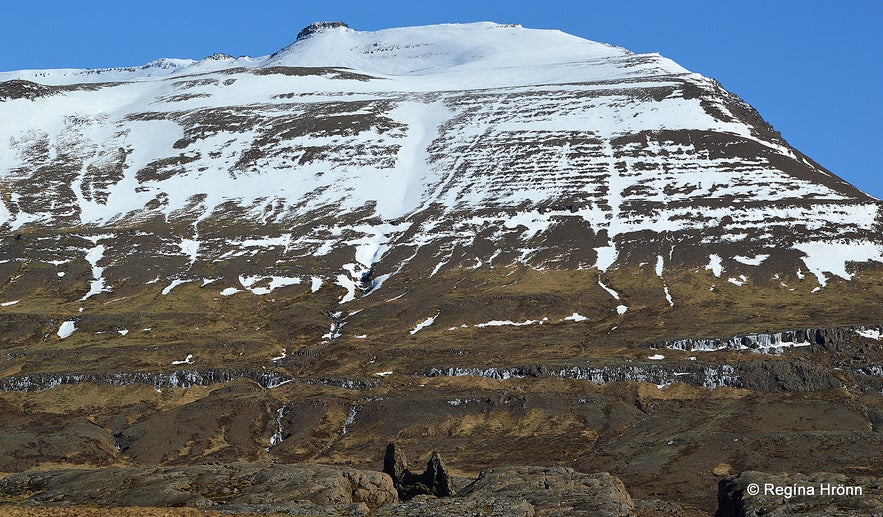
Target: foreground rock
x=318, y=490
x=526, y=492
x=555, y=490
x=821, y=494
x=239, y=487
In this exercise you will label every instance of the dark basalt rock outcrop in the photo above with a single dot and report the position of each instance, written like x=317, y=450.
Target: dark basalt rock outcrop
x=175, y=379
x=753, y=493
x=20, y=89
x=433, y=481
x=759, y=376
x=316, y=27
x=829, y=338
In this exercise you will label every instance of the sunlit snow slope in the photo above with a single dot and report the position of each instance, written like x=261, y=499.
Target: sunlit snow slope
x=419, y=148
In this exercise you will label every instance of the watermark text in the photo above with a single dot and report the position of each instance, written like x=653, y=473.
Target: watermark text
x=805, y=490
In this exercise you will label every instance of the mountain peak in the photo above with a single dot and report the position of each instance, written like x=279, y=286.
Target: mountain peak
x=422, y=50
x=317, y=27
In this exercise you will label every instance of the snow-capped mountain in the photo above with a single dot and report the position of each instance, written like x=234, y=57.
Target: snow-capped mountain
x=349, y=157
x=514, y=246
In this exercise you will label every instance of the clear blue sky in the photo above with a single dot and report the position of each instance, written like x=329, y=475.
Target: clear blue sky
x=814, y=69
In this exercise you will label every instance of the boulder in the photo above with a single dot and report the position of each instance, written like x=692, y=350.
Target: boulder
x=554, y=491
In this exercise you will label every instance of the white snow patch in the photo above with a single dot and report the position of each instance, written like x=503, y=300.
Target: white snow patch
x=66, y=329
x=61, y=274
x=350, y=286
x=186, y=360
x=832, y=257
x=437, y=268
x=375, y=285
x=423, y=324
x=575, y=317
x=335, y=330
x=207, y=281
x=374, y=242
x=714, y=264
x=282, y=356
x=607, y=255
x=738, y=281
x=94, y=255
x=608, y=289
x=534, y=222
x=275, y=282
x=751, y=261
x=230, y=291
x=660, y=263
x=174, y=284
x=315, y=284
x=7, y=304
x=190, y=248
x=871, y=333
x=500, y=323
x=656, y=357
x=267, y=242
x=382, y=374
x=778, y=346
x=622, y=309
x=123, y=332
x=363, y=336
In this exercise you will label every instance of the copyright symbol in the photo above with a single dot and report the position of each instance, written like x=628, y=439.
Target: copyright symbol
x=753, y=489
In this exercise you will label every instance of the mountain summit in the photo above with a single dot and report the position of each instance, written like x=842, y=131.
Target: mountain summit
x=317, y=27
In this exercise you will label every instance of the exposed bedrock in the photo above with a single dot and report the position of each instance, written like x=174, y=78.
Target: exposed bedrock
x=821, y=494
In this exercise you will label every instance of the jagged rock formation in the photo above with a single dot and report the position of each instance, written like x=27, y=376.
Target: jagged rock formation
x=434, y=480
